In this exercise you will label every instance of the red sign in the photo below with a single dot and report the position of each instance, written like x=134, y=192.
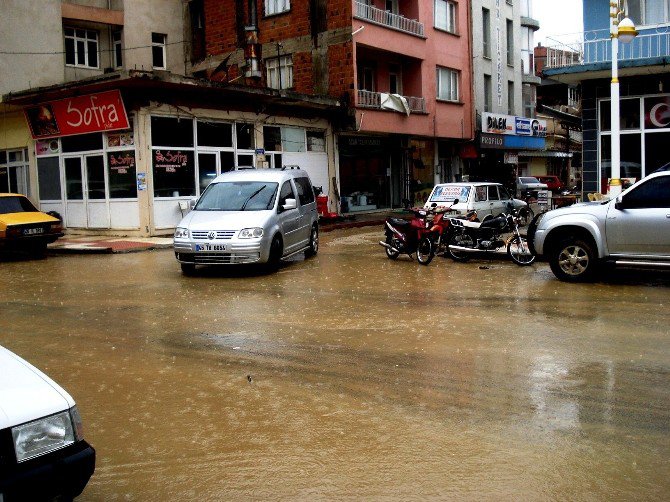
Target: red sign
x=78, y=115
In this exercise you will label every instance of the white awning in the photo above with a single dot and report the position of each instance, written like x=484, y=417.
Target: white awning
x=545, y=153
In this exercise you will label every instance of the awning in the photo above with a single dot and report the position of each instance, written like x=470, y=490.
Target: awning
x=545, y=153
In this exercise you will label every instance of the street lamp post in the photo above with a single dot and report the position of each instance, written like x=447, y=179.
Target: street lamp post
x=624, y=30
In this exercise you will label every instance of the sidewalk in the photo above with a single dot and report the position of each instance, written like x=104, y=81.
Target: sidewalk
x=102, y=244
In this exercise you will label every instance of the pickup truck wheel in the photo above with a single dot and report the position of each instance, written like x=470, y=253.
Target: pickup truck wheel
x=573, y=260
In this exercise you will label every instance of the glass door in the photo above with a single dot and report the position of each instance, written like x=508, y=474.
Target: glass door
x=75, y=205
x=97, y=202
x=87, y=204
x=211, y=164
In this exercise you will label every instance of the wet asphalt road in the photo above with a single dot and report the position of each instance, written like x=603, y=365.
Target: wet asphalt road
x=351, y=376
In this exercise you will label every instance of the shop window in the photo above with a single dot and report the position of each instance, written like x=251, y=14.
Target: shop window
x=629, y=114
x=82, y=142
x=81, y=47
x=656, y=150
x=4, y=179
x=227, y=161
x=245, y=136
x=74, y=183
x=171, y=132
x=174, y=173
x=316, y=141
x=158, y=47
x=293, y=139
x=48, y=178
x=217, y=134
x=206, y=169
x=122, y=174
x=272, y=139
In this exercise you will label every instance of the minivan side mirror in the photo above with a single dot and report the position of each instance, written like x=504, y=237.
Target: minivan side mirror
x=289, y=204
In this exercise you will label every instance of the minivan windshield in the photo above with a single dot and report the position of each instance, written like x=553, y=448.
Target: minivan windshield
x=238, y=196
x=448, y=193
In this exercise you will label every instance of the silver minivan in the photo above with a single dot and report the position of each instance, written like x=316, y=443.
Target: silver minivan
x=250, y=216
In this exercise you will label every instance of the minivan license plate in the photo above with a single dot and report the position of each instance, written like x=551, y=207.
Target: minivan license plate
x=210, y=247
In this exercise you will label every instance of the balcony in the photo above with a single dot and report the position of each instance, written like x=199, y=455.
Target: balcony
x=369, y=99
x=596, y=47
x=388, y=19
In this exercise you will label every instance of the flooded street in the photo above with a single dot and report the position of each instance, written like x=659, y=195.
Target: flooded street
x=351, y=376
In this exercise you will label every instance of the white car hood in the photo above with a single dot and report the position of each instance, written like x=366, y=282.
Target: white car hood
x=224, y=220
x=26, y=393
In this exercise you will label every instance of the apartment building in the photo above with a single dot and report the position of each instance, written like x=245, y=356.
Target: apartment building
x=504, y=90
x=400, y=69
x=102, y=123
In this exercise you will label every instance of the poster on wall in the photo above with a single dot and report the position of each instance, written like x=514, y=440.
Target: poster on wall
x=103, y=111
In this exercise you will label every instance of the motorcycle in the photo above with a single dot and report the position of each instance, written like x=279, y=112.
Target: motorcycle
x=409, y=237
x=469, y=237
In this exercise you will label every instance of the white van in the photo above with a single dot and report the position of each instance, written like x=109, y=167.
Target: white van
x=43, y=454
x=488, y=199
x=250, y=216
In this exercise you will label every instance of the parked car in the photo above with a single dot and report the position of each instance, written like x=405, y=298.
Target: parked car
x=250, y=216
x=488, y=199
x=553, y=183
x=43, y=454
x=631, y=230
x=23, y=227
x=528, y=185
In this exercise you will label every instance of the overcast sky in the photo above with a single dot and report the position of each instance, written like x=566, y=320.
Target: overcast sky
x=557, y=17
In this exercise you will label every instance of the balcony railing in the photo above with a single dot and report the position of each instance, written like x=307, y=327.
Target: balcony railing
x=596, y=47
x=388, y=19
x=369, y=99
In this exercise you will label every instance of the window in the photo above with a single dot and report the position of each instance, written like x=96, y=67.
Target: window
x=81, y=47
x=366, y=78
x=510, y=97
x=316, y=141
x=277, y=6
x=488, y=93
x=654, y=193
x=286, y=193
x=447, y=84
x=158, y=44
x=649, y=12
x=392, y=6
x=486, y=33
x=493, y=192
x=305, y=191
x=510, y=42
x=395, y=79
x=117, y=49
x=279, y=72
x=445, y=15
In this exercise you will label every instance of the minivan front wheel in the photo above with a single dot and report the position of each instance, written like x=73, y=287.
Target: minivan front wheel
x=313, y=242
x=276, y=251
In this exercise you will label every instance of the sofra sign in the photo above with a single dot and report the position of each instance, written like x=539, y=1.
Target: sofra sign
x=78, y=115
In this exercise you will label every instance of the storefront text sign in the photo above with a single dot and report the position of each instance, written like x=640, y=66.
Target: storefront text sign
x=120, y=162
x=496, y=123
x=491, y=141
x=103, y=111
x=170, y=160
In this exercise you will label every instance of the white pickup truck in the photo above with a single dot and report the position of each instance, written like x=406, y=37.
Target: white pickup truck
x=631, y=230
x=43, y=455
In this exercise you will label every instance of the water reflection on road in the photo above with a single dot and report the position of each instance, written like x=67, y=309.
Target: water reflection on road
x=352, y=376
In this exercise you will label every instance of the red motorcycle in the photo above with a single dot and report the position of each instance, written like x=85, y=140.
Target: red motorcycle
x=409, y=237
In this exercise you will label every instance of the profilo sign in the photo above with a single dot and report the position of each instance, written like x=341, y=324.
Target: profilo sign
x=496, y=123
x=103, y=111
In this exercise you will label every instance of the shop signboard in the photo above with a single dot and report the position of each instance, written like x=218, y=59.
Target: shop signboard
x=491, y=141
x=496, y=123
x=657, y=112
x=99, y=112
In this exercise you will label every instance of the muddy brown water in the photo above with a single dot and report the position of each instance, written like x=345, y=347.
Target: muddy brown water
x=351, y=376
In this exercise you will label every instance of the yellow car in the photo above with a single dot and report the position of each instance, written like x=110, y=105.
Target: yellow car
x=23, y=227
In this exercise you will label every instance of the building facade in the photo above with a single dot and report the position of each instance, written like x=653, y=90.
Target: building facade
x=117, y=136
x=644, y=86
x=400, y=68
x=505, y=88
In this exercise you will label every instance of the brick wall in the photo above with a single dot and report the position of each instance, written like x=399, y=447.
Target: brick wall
x=224, y=23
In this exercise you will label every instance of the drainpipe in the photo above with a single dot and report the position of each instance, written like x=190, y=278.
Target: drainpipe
x=252, y=49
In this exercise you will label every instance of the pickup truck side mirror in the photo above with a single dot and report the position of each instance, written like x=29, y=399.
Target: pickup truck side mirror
x=192, y=203
x=619, y=204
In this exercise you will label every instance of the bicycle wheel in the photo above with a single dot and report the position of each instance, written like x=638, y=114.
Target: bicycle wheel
x=518, y=250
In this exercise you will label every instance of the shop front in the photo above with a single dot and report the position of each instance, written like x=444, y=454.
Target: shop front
x=114, y=162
